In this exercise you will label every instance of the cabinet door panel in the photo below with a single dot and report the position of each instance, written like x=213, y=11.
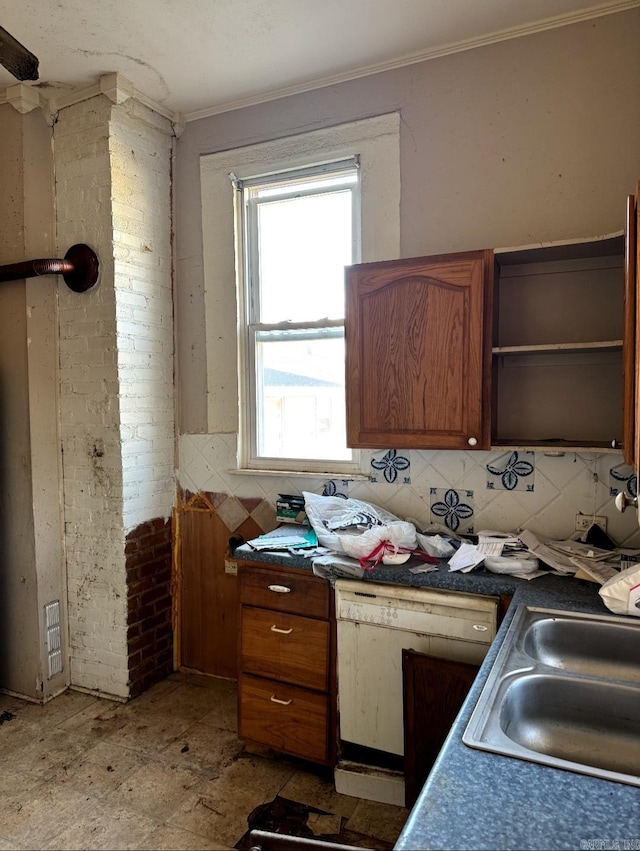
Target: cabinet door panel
x=285, y=647
x=417, y=352
x=631, y=436
x=433, y=690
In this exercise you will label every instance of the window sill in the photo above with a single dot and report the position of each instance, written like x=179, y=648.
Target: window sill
x=307, y=474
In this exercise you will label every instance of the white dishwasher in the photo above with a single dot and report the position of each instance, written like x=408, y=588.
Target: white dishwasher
x=375, y=623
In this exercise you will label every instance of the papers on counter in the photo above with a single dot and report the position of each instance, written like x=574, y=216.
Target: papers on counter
x=285, y=537
x=489, y=544
x=565, y=558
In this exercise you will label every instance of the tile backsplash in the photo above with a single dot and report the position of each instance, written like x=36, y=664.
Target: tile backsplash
x=466, y=491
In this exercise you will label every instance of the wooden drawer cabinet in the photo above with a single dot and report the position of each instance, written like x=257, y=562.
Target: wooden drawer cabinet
x=284, y=591
x=286, y=647
x=290, y=719
x=286, y=678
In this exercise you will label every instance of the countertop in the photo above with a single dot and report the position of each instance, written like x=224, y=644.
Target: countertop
x=474, y=799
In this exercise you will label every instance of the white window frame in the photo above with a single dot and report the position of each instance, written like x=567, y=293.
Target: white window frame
x=376, y=143
x=248, y=300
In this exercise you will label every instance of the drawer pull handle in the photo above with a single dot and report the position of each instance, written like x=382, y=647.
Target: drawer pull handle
x=274, y=628
x=280, y=589
x=274, y=699
x=480, y=627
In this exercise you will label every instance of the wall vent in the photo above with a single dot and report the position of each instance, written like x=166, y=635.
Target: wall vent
x=53, y=638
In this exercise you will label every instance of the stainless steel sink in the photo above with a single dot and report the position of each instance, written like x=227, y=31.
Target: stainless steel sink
x=598, y=648
x=565, y=691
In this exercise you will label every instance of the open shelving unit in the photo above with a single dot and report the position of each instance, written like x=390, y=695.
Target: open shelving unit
x=557, y=354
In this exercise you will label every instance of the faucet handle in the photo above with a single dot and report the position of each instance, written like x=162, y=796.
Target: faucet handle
x=622, y=501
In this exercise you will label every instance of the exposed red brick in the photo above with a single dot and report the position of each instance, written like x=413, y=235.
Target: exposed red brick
x=148, y=552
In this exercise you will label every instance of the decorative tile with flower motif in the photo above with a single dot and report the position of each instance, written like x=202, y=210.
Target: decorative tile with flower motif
x=337, y=487
x=390, y=464
x=623, y=478
x=453, y=508
x=512, y=471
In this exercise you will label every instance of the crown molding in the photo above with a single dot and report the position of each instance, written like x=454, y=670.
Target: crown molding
x=419, y=56
x=118, y=89
x=114, y=86
x=22, y=98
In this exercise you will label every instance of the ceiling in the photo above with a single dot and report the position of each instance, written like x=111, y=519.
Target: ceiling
x=199, y=57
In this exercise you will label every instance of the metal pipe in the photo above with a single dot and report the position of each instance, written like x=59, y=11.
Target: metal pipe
x=79, y=268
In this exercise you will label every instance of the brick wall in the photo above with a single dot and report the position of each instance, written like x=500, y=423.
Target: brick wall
x=113, y=168
x=149, y=632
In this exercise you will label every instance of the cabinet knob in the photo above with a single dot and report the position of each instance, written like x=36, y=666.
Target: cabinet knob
x=274, y=699
x=615, y=444
x=472, y=441
x=275, y=628
x=280, y=589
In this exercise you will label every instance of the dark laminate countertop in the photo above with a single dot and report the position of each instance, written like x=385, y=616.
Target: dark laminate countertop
x=478, y=800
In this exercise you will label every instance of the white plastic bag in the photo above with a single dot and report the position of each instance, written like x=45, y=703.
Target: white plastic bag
x=381, y=543
x=332, y=516
x=621, y=593
x=436, y=545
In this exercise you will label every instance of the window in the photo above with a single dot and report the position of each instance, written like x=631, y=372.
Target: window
x=300, y=229
x=299, y=417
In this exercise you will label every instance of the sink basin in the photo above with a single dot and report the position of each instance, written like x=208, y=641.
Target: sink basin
x=596, y=648
x=564, y=691
x=563, y=718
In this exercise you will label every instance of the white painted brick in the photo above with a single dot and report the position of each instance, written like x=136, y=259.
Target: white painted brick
x=117, y=387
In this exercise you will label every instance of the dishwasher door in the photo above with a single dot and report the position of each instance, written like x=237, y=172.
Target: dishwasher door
x=374, y=624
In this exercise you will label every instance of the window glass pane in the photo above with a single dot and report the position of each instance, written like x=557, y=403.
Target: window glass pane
x=301, y=396
x=304, y=243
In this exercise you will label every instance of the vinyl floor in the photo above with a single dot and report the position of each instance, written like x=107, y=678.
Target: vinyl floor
x=164, y=771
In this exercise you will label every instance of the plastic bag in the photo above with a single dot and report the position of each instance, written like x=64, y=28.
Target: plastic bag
x=332, y=516
x=381, y=543
x=621, y=593
x=436, y=545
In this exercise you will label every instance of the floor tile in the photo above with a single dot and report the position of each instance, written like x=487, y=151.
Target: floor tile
x=193, y=702
x=102, y=769
x=156, y=790
x=321, y=825
x=173, y=839
x=34, y=819
x=384, y=821
x=57, y=710
x=212, y=816
x=308, y=788
x=99, y=719
x=223, y=807
x=204, y=748
x=164, y=771
x=104, y=826
x=149, y=732
x=251, y=774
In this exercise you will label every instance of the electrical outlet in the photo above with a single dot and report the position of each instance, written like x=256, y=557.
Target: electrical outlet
x=586, y=521
x=230, y=566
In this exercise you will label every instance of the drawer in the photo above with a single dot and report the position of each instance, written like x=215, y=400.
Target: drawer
x=285, y=647
x=285, y=717
x=285, y=592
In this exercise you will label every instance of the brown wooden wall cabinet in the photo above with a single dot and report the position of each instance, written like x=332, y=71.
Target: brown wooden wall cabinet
x=417, y=352
x=531, y=348
x=286, y=676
